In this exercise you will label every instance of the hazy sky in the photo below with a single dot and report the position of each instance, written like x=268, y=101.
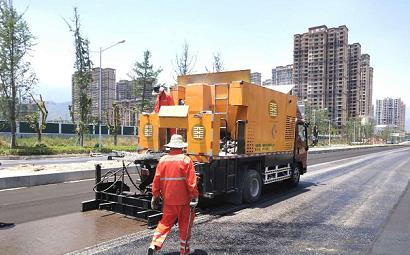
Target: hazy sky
x=255, y=35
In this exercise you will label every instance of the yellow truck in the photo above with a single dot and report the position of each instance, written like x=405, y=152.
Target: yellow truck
x=240, y=135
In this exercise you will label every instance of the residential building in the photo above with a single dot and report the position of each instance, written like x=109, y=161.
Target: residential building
x=354, y=82
x=125, y=90
x=256, y=78
x=391, y=111
x=282, y=75
x=321, y=70
x=366, y=87
x=267, y=82
x=108, y=93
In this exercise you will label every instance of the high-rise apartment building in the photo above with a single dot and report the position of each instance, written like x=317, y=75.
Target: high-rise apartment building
x=256, y=78
x=328, y=73
x=125, y=90
x=391, y=111
x=108, y=93
x=127, y=102
x=282, y=75
x=366, y=86
x=353, y=84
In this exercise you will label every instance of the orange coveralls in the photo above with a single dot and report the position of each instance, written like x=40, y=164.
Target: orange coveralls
x=175, y=181
x=164, y=98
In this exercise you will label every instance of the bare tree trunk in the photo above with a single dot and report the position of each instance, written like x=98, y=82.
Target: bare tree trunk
x=115, y=138
x=12, y=109
x=38, y=136
x=143, y=97
x=81, y=139
x=13, y=127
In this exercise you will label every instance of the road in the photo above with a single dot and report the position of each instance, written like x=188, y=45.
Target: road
x=343, y=206
x=39, y=202
x=349, y=206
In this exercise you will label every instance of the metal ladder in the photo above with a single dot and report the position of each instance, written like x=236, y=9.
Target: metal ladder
x=222, y=98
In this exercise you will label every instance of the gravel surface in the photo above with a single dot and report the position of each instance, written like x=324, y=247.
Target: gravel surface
x=338, y=208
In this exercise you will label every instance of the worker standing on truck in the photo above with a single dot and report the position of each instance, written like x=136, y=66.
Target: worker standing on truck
x=163, y=98
x=175, y=182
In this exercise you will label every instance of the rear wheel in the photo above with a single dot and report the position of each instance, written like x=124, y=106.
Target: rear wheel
x=294, y=177
x=252, y=187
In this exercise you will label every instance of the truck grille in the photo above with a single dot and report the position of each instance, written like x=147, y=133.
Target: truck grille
x=289, y=132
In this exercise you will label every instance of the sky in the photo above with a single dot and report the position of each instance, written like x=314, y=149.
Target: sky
x=256, y=35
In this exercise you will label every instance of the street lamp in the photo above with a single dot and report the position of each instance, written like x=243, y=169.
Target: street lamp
x=100, y=92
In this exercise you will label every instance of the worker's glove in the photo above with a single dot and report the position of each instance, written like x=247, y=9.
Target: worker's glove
x=194, y=202
x=155, y=203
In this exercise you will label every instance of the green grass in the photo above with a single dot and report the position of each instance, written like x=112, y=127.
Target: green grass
x=64, y=145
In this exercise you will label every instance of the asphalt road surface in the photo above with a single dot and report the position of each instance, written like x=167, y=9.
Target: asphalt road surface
x=342, y=207
x=39, y=202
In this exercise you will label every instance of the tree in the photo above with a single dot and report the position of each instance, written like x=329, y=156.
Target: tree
x=82, y=77
x=114, y=123
x=217, y=65
x=16, y=76
x=185, y=61
x=33, y=119
x=318, y=119
x=144, y=77
x=71, y=111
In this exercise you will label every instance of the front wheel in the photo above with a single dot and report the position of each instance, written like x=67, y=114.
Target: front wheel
x=294, y=177
x=252, y=187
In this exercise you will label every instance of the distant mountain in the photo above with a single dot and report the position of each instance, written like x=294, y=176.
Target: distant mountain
x=57, y=111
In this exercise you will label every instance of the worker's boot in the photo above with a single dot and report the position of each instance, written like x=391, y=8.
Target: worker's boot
x=151, y=250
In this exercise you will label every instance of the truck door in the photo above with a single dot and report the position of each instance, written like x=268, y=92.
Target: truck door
x=301, y=144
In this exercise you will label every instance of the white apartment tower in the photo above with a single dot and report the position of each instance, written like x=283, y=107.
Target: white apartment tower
x=282, y=75
x=256, y=78
x=391, y=111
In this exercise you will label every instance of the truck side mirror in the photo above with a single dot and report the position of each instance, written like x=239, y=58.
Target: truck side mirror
x=306, y=138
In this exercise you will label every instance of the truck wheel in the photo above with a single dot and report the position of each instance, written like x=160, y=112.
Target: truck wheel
x=252, y=187
x=294, y=177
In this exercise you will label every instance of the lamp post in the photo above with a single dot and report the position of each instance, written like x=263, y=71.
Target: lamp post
x=100, y=92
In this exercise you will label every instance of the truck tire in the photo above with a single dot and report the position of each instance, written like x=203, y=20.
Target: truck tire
x=252, y=186
x=294, y=177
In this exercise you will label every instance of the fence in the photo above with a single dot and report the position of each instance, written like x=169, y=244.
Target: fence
x=64, y=129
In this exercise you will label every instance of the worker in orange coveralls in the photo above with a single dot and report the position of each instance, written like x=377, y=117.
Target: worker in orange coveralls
x=175, y=182
x=163, y=98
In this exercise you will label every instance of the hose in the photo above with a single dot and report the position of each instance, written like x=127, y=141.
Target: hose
x=111, y=173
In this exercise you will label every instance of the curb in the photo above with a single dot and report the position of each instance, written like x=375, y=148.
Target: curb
x=352, y=148
x=44, y=179
x=43, y=156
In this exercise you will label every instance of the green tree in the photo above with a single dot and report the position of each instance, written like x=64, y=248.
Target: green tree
x=114, y=123
x=33, y=119
x=16, y=76
x=144, y=77
x=317, y=117
x=82, y=77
